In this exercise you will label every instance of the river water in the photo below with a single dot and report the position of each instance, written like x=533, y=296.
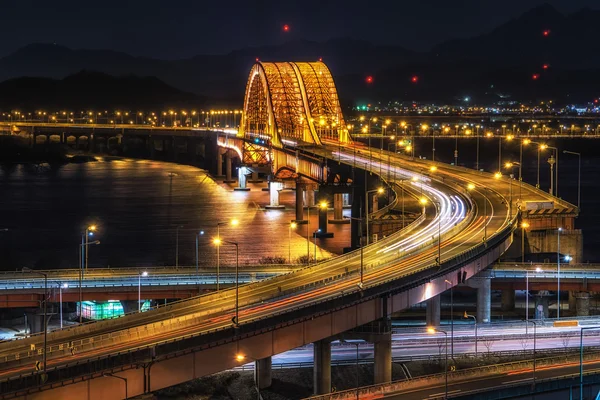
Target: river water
x=137, y=204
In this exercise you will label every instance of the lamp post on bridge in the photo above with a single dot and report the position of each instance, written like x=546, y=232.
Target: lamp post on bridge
x=45, y=324
x=360, y=284
x=475, y=321
x=218, y=242
x=537, y=269
x=82, y=247
x=60, y=288
x=140, y=275
x=367, y=192
x=534, y=346
x=432, y=331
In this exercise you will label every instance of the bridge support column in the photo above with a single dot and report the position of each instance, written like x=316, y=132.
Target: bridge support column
x=255, y=178
x=219, y=163
x=262, y=373
x=309, y=196
x=35, y=320
x=151, y=148
x=508, y=300
x=572, y=302
x=383, y=358
x=338, y=208
x=484, y=300
x=129, y=306
x=274, y=189
x=583, y=304
x=242, y=172
x=92, y=143
x=228, y=178
x=541, y=304
x=323, y=224
x=433, y=311
x=322, y=367
x=299, y=203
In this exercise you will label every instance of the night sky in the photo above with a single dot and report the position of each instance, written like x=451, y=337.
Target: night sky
x=178, y=29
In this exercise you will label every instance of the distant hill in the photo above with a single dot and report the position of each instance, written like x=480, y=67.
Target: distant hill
x=498, y=64
x=88, y=89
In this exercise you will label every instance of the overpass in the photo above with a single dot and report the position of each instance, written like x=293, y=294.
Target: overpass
x=470, y=220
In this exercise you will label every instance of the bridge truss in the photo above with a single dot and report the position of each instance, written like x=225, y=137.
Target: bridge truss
x=292, y=103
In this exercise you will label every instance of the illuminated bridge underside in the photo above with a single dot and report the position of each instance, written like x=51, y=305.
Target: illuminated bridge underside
x=291, y=103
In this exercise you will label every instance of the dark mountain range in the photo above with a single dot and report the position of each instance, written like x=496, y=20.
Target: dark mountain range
x=498, y=64
x=92, y=90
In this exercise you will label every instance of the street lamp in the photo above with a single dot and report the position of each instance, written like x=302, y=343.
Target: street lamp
x=378, y=191
x=511, y=165
x=360, y=284
x=60, y=288
x=89, y=231
x=140, y=274
x=541, y=147
x=315, y=241
x=233, y=222
x=81, y=250
x=451, y=318
x=578, y=177
x=475, y=321
x=241, y=358
x=432, y=331
x=534, y=345
x=45, y=275
x=523, y=226
x=218, y=242
x=581, y=358
x=558, y=231
x=293, y=225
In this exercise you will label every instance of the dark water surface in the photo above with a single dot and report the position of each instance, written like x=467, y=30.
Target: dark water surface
x=136, y=205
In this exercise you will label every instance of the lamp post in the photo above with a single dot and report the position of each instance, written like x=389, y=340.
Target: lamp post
x=177, y=245
x=236, y=319
x=89, y=231
x=293, y=225
x=233, y=222
x=379, y=191
x=82, y=246
x=241, y=357
x=475, y=321
x=578, y=177
x=581, y=357
x=541, y=147
x=510, y=165
x=45, y=324
x=558, y=231
x=315, y=242
x=360, y=284
x=555, y=192
x=140, y=274
x=451, y=318
x=109, y=375
x=534, y=345
x=432, y=331
x=60, y=288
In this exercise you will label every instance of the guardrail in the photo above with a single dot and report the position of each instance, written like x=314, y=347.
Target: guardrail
x=455, y=376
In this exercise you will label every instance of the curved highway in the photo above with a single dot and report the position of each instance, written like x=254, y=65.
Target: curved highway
x=451, y=211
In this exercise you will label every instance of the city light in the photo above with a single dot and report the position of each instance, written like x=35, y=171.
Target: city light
x=471, y=186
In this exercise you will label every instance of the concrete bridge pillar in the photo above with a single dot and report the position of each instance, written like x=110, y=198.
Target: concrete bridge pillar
x=541, y=305
x=255, y=178
x=345, y=199
x=323, y=223
x=274, y=189
x=322, y=367
x=508, y=300
x=484, y=300
x=242, y=172
x=151, y=147
x=262, y=373
x=228, y=178
x=92, y=143
x=383, y=358
x=309, y=196
x=35, y=320
x=299, y=202
x=433, y=311
x=338, y=208
x=219, y=163
x=129, y=306
x=583, y=304
x=572, y=302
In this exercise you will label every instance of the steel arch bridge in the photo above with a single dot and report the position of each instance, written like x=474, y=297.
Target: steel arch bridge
x=292, y=103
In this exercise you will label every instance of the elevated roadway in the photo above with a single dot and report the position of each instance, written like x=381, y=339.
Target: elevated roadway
x=173, y=344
